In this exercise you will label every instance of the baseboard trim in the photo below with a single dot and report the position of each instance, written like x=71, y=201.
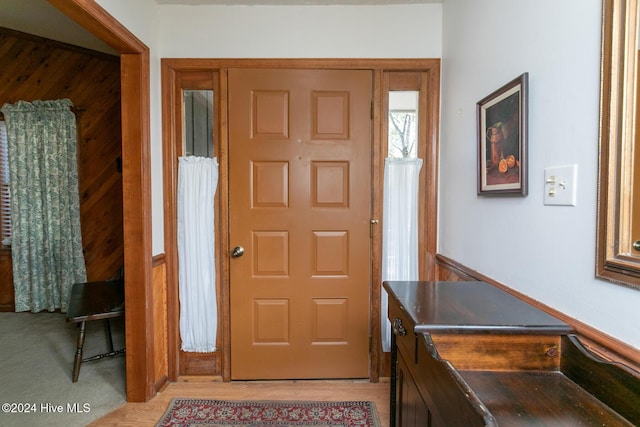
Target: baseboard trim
x=162, y=382
x=600, y=343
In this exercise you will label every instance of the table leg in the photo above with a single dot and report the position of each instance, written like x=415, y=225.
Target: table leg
x=78, y=359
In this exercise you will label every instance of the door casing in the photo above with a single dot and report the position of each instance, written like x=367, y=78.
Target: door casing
x=136, y=183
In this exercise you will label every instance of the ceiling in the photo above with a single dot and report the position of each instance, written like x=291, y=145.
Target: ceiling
x=38, y=17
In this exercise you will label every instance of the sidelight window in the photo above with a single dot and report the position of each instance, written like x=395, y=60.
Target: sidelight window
x=198, y=123
x=403, y=124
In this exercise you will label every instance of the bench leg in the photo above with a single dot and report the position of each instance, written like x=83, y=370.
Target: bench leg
x=107, y=327
x=78, y=359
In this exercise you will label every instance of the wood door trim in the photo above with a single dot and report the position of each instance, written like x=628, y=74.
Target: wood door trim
x=430, y=66
x=430, y=202
x=170, y=132
x=225, y=245
x=412, y=64
x=427, y=82
x=173, y=82
x=378, y=153
x=136, y=182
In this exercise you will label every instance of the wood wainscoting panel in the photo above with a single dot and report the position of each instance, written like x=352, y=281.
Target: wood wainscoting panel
x=7, y=300
x=160, y=353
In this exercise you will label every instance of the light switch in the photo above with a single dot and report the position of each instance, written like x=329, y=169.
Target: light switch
x=560, y=185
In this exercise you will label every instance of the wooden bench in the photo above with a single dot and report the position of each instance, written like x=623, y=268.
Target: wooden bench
x=95, y=301
x=468, y=354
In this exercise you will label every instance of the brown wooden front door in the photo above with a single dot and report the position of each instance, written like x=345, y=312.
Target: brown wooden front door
x=299, y=203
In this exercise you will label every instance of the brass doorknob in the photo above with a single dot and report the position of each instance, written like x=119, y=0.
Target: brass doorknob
x=636, y=245
x=237, y=252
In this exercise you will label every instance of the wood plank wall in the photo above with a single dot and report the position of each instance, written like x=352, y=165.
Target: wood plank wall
x=34, y=68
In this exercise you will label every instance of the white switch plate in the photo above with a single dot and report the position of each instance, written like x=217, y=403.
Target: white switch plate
x=560, y=185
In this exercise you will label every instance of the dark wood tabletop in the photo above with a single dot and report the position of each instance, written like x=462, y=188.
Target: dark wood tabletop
x=96, y=300
x=470, y=307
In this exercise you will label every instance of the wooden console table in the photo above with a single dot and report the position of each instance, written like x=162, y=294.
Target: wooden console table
x=470, y=354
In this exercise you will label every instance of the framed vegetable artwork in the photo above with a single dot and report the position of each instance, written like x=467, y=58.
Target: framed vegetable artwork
x=502, y=140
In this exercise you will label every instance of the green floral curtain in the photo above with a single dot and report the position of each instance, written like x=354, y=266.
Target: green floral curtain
x=45, y=209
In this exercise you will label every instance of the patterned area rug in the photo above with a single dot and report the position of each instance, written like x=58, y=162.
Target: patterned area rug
x=220, y=413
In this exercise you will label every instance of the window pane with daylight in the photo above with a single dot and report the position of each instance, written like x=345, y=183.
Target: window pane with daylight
x=403, y=124
x=198, y=123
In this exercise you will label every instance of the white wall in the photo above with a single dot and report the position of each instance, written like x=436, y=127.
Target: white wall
x=400, y=31
x=140, y=17
x=546, y=252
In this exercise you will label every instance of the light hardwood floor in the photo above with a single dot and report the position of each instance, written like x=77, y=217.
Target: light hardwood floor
x=148, y=414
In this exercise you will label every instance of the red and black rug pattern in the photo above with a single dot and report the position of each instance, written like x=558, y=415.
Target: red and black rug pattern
x=219, y=413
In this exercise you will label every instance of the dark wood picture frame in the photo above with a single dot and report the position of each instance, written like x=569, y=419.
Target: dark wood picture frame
x=502, y=140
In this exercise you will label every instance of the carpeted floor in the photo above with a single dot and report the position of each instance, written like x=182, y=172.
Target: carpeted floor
x=36, y=360
x=220, y=413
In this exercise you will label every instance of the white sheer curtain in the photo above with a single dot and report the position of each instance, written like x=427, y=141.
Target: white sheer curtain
x=197, y=182
x=400, y=229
